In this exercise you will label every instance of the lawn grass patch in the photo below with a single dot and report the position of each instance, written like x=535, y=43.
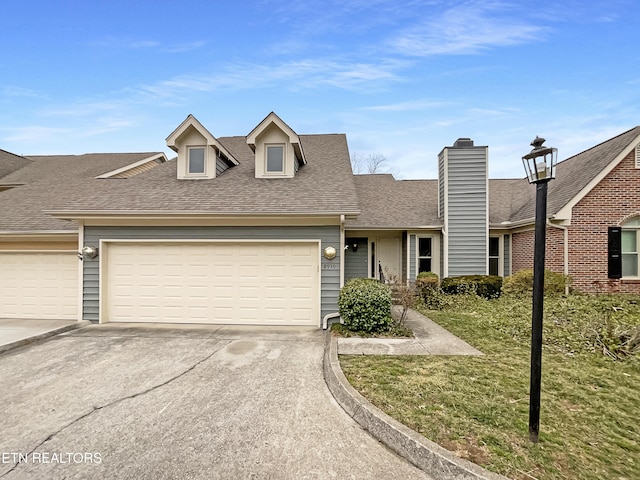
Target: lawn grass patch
x=478, y=406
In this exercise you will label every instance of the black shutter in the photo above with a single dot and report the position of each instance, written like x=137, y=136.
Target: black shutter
x=615, y=252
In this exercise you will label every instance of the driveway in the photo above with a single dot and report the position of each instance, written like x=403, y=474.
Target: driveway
x=116, y=401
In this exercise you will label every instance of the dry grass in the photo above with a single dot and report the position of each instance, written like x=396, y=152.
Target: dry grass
x=478, y=406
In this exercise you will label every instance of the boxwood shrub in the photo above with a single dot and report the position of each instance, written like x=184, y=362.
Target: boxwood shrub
x=365, y=305
x=521, y=283
x=487, y=286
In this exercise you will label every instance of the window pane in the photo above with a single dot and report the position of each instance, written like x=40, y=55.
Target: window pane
x=196, y=160
x=630, y=265
x=424, y=265
x=275, y=158
x=494, y=246
x=629, y=241
x=493, y=266
x=424, y=247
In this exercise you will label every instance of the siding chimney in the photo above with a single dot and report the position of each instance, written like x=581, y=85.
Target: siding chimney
x=463, y=208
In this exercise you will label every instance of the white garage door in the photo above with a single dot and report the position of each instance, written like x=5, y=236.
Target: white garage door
x=39, y=285
x=273, y=283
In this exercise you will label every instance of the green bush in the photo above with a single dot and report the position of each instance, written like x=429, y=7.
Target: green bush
x=486, y=286
x=521, y=283
x=365, y=305
x=427, y=283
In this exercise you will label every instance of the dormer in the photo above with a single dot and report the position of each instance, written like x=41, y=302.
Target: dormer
x=200, y=155
x=277, y=148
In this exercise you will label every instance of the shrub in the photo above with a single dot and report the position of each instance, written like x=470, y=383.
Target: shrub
x=487, y=286
x=365, y=305
x=427, y=283
x=521, y=283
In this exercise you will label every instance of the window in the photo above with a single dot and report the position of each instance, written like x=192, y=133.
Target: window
x=196, y=162
x=630, y=253
x=424, y=254
x=494, y=255
x=638, y=156
x=275, y=159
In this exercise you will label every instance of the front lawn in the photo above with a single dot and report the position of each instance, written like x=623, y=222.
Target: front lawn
x=478, y=406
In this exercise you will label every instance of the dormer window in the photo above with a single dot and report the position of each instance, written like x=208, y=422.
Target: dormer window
x=277, y=148
x=200, y=155
x=196, y=163
x=275, y=159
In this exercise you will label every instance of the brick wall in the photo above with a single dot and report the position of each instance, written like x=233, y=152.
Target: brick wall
x=523, y=243
x=610, y=203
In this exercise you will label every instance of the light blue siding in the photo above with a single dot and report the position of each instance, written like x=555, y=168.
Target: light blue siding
x=328, y=235
x=221, y=165
x=356, y=264
x=507, y=255
x=466, y=209
x=412, y=258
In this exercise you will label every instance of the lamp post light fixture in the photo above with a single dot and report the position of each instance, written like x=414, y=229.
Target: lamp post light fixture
x=540, y=166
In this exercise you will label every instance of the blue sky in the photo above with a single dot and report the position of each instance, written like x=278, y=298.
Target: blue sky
x=403, y=78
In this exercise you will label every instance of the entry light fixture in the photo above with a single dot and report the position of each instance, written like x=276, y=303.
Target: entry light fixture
x=88, y=252
x=330, y=253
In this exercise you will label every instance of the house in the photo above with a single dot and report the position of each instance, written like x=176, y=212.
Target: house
x=266, y=228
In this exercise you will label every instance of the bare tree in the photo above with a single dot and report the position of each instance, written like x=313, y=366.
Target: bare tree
x=373, y=162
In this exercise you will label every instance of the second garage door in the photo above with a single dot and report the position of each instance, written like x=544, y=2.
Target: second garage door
x=39, y=285
x=268, y=283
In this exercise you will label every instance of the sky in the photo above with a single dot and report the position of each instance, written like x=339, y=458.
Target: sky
x=401, y=78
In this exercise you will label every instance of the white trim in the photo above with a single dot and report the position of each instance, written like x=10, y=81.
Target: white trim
x=342, y=250
x=638, y=156
x=80, y=272
x=189, y=173
x=565, y=212
x=435, y=248
x=212, y=141
x=39, y=250
x=159, y=156
x=104, y=256
x=500, y=238
x=275, y=173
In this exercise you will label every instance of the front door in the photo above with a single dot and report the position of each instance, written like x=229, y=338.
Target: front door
x=388, y=258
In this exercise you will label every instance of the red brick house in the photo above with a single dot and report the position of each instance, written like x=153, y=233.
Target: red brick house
x=594, y=218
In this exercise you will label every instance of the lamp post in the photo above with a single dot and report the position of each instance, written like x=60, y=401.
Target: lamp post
x=540, y=166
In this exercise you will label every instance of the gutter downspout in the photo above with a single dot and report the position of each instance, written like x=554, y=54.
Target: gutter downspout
x=565, y=252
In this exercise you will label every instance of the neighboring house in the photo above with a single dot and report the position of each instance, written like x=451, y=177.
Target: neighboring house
x=266, y=228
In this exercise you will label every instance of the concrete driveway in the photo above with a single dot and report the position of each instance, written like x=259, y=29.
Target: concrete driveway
x=116, y=401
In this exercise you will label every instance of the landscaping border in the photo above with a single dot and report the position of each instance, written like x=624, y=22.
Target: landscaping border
x=421, y=452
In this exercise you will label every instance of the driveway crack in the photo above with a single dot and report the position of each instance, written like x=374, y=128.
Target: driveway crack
x=114, y=402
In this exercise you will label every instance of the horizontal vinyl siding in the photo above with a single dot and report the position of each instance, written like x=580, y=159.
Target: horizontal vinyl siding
x=356, y=264
x=221, y=166
x=329, y=236
x=412, y=257
x=467, y=211
x=507, y=255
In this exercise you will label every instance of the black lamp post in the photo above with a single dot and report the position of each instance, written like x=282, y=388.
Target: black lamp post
x=540, y=165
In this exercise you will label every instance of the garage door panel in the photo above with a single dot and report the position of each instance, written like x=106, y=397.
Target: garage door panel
x=39, y=285
x=243, y=282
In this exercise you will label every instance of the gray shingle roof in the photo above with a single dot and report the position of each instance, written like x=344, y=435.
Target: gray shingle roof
x=574, y=174
x=9, y=163
x=52, y=180
x=389, y=203
x=324, y=185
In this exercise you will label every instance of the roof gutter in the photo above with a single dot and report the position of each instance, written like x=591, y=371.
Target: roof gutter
x=80, y=214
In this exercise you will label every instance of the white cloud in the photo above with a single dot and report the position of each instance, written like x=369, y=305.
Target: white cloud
x=467, y=28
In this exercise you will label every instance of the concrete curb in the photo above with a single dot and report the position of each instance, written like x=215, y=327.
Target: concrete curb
x=423, y=453
x=50, y=333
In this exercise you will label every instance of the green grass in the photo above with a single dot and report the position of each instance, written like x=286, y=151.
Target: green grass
x=478, y=406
